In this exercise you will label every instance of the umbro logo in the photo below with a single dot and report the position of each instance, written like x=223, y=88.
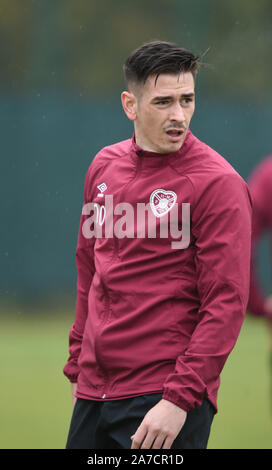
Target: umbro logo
x=102, y=188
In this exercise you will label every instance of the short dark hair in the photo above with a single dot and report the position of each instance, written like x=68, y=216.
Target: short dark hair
x=156, y=57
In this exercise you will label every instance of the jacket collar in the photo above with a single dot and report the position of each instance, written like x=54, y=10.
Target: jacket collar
x=139, y=152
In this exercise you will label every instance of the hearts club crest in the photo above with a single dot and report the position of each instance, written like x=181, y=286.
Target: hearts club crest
x=161, y=201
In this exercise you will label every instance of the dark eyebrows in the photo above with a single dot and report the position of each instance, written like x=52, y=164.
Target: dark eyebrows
x=188, y=95
x=162, y=98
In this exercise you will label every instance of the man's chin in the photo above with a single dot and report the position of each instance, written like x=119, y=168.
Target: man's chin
x=173, y=147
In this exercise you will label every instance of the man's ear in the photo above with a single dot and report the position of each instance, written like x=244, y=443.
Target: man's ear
x=129, y=103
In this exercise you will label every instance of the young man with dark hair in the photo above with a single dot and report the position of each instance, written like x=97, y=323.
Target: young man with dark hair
x=156, y=318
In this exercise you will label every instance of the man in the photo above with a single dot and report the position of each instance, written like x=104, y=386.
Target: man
x=155, y=317
x=260, y=184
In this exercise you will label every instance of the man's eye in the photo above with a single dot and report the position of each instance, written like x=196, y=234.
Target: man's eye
x=162, y=102
x=186, y=100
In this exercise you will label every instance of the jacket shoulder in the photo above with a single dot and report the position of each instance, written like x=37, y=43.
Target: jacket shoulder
x=110, y=152
x=262, y=172
x=260, y=185
x=211, y=160
x=103, y=158
x=210, y=173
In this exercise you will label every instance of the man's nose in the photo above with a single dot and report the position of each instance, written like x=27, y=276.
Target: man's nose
x=177, y=113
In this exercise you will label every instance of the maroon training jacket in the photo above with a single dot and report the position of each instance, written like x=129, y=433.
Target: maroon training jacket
x=150, y=317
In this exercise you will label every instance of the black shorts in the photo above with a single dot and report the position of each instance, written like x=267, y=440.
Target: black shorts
x=109, y=424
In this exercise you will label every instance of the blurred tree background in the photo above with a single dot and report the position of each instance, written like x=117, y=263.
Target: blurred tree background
x=60, y=84
x=80, y=46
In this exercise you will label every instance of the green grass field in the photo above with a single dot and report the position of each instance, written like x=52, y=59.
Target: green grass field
x=35, y=406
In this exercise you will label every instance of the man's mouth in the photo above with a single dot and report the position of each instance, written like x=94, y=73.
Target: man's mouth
x=175, y=134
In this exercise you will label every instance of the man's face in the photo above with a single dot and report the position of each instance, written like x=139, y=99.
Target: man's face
x=164, y=111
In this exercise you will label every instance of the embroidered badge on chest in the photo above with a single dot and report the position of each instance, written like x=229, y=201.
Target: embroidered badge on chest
x=162, y=201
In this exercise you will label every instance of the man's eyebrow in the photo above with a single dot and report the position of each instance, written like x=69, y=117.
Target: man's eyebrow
x=184, y=95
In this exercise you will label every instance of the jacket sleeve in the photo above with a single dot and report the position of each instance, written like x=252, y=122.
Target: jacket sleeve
x=85, y=272
x=221, y=233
